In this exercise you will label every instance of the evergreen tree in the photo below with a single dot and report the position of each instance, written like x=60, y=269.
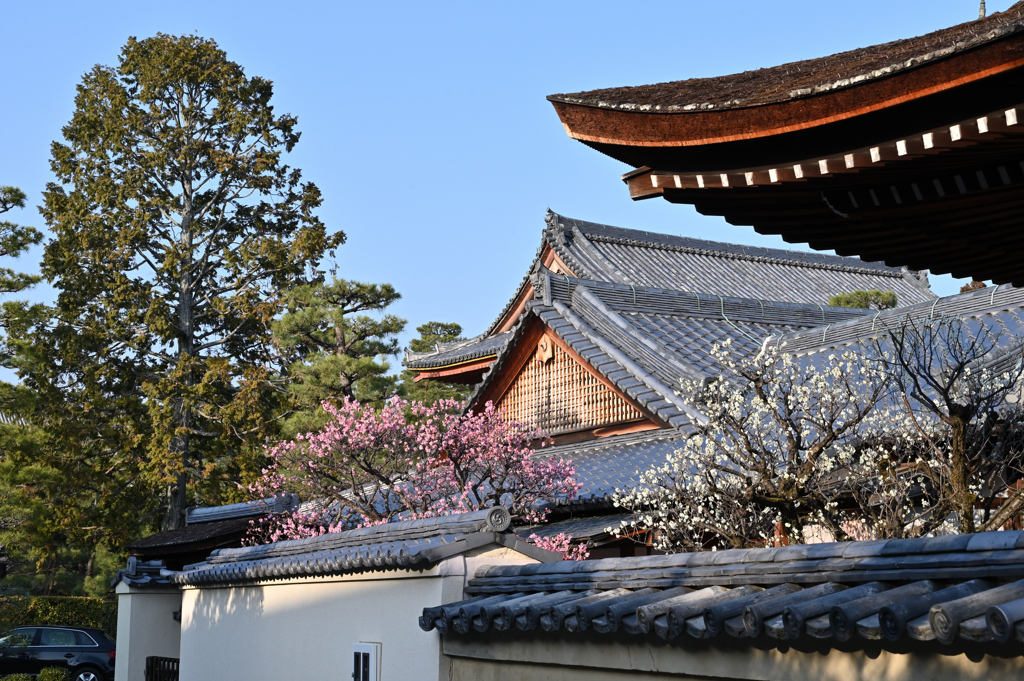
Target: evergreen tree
x=14, y=241
x=339, y=350
x=177, y=228
x=865, y=300
x=433, y=333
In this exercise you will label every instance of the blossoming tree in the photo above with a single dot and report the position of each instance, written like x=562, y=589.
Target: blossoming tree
x=777, y=437
x=903, y=437
x=407, y=459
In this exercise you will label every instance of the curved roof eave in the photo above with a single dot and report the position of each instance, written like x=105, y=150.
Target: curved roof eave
x=794, y=97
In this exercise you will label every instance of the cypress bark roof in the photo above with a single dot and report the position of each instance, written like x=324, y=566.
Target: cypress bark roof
x=804, y=78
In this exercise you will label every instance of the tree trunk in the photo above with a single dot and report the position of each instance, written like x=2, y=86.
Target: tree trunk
x=51, y=574
x=181, y=442
x=344, y=381
x=959, y=475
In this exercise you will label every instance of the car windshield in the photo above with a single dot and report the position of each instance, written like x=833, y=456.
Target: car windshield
x=17, y=638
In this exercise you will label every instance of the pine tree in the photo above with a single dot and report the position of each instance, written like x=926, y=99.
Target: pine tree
x=339, y=350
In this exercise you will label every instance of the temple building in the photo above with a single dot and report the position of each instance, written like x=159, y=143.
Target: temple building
x=910, y=152
x=908, y=155
x=608, y=322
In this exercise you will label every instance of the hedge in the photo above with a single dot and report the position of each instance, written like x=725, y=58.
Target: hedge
x=46, y=674
x=19, y=611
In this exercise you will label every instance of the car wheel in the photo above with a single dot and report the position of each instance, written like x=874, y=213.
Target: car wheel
x=87, y=674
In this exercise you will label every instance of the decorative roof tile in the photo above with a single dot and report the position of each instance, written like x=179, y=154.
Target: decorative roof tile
x=830, y=593
x=407, y=545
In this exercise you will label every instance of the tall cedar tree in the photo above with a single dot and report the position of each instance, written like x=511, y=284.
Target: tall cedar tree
x=176, y=229
x=339, y=350
x=430, y=391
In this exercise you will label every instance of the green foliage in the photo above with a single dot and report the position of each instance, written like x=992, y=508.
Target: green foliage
x=15, y=240
x=177, y=229
x=59, y=611
x=52, y=674
x=18, y=677
x=865, y=300
x=338, y=350
x=433, y=333
x=64, y=517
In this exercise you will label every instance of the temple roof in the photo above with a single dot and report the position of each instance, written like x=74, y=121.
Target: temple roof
x=998, y=309
x=906, y=153
x=645, y=340
x=804, y=78
x=632, y=257
x=451, y=354
x=952, y=588
x=638, y=259
x=612, y=464
x=596, y=529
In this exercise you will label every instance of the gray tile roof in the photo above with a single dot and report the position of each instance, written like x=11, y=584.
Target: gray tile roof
x=149, y=574
x=953, y=588
x=448, y=354
x=646, y=340
x=709, y=269
x=627, y=256
x=1001, y=309
x=246, y=509
x=614, y=463
x=408, y=545
x=588, y=528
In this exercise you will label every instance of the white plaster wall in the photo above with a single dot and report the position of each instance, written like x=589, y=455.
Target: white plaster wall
x=304, y=629
x=565, y=657
x=145, y=627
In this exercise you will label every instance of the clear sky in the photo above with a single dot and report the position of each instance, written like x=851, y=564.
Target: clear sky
x=425, y=124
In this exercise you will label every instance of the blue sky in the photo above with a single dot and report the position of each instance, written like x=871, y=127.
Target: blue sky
x=425, y=124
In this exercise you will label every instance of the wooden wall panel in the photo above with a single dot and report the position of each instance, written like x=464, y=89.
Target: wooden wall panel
x=554, y=393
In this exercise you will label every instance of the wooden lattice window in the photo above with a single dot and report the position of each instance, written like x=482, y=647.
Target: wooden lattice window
x=554, y=393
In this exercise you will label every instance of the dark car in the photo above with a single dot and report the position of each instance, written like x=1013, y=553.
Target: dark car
x=87, y=653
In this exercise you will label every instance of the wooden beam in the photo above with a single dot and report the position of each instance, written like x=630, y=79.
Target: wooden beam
x=455, y=370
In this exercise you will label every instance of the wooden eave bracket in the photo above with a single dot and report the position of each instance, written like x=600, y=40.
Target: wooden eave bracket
x=645, y=183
